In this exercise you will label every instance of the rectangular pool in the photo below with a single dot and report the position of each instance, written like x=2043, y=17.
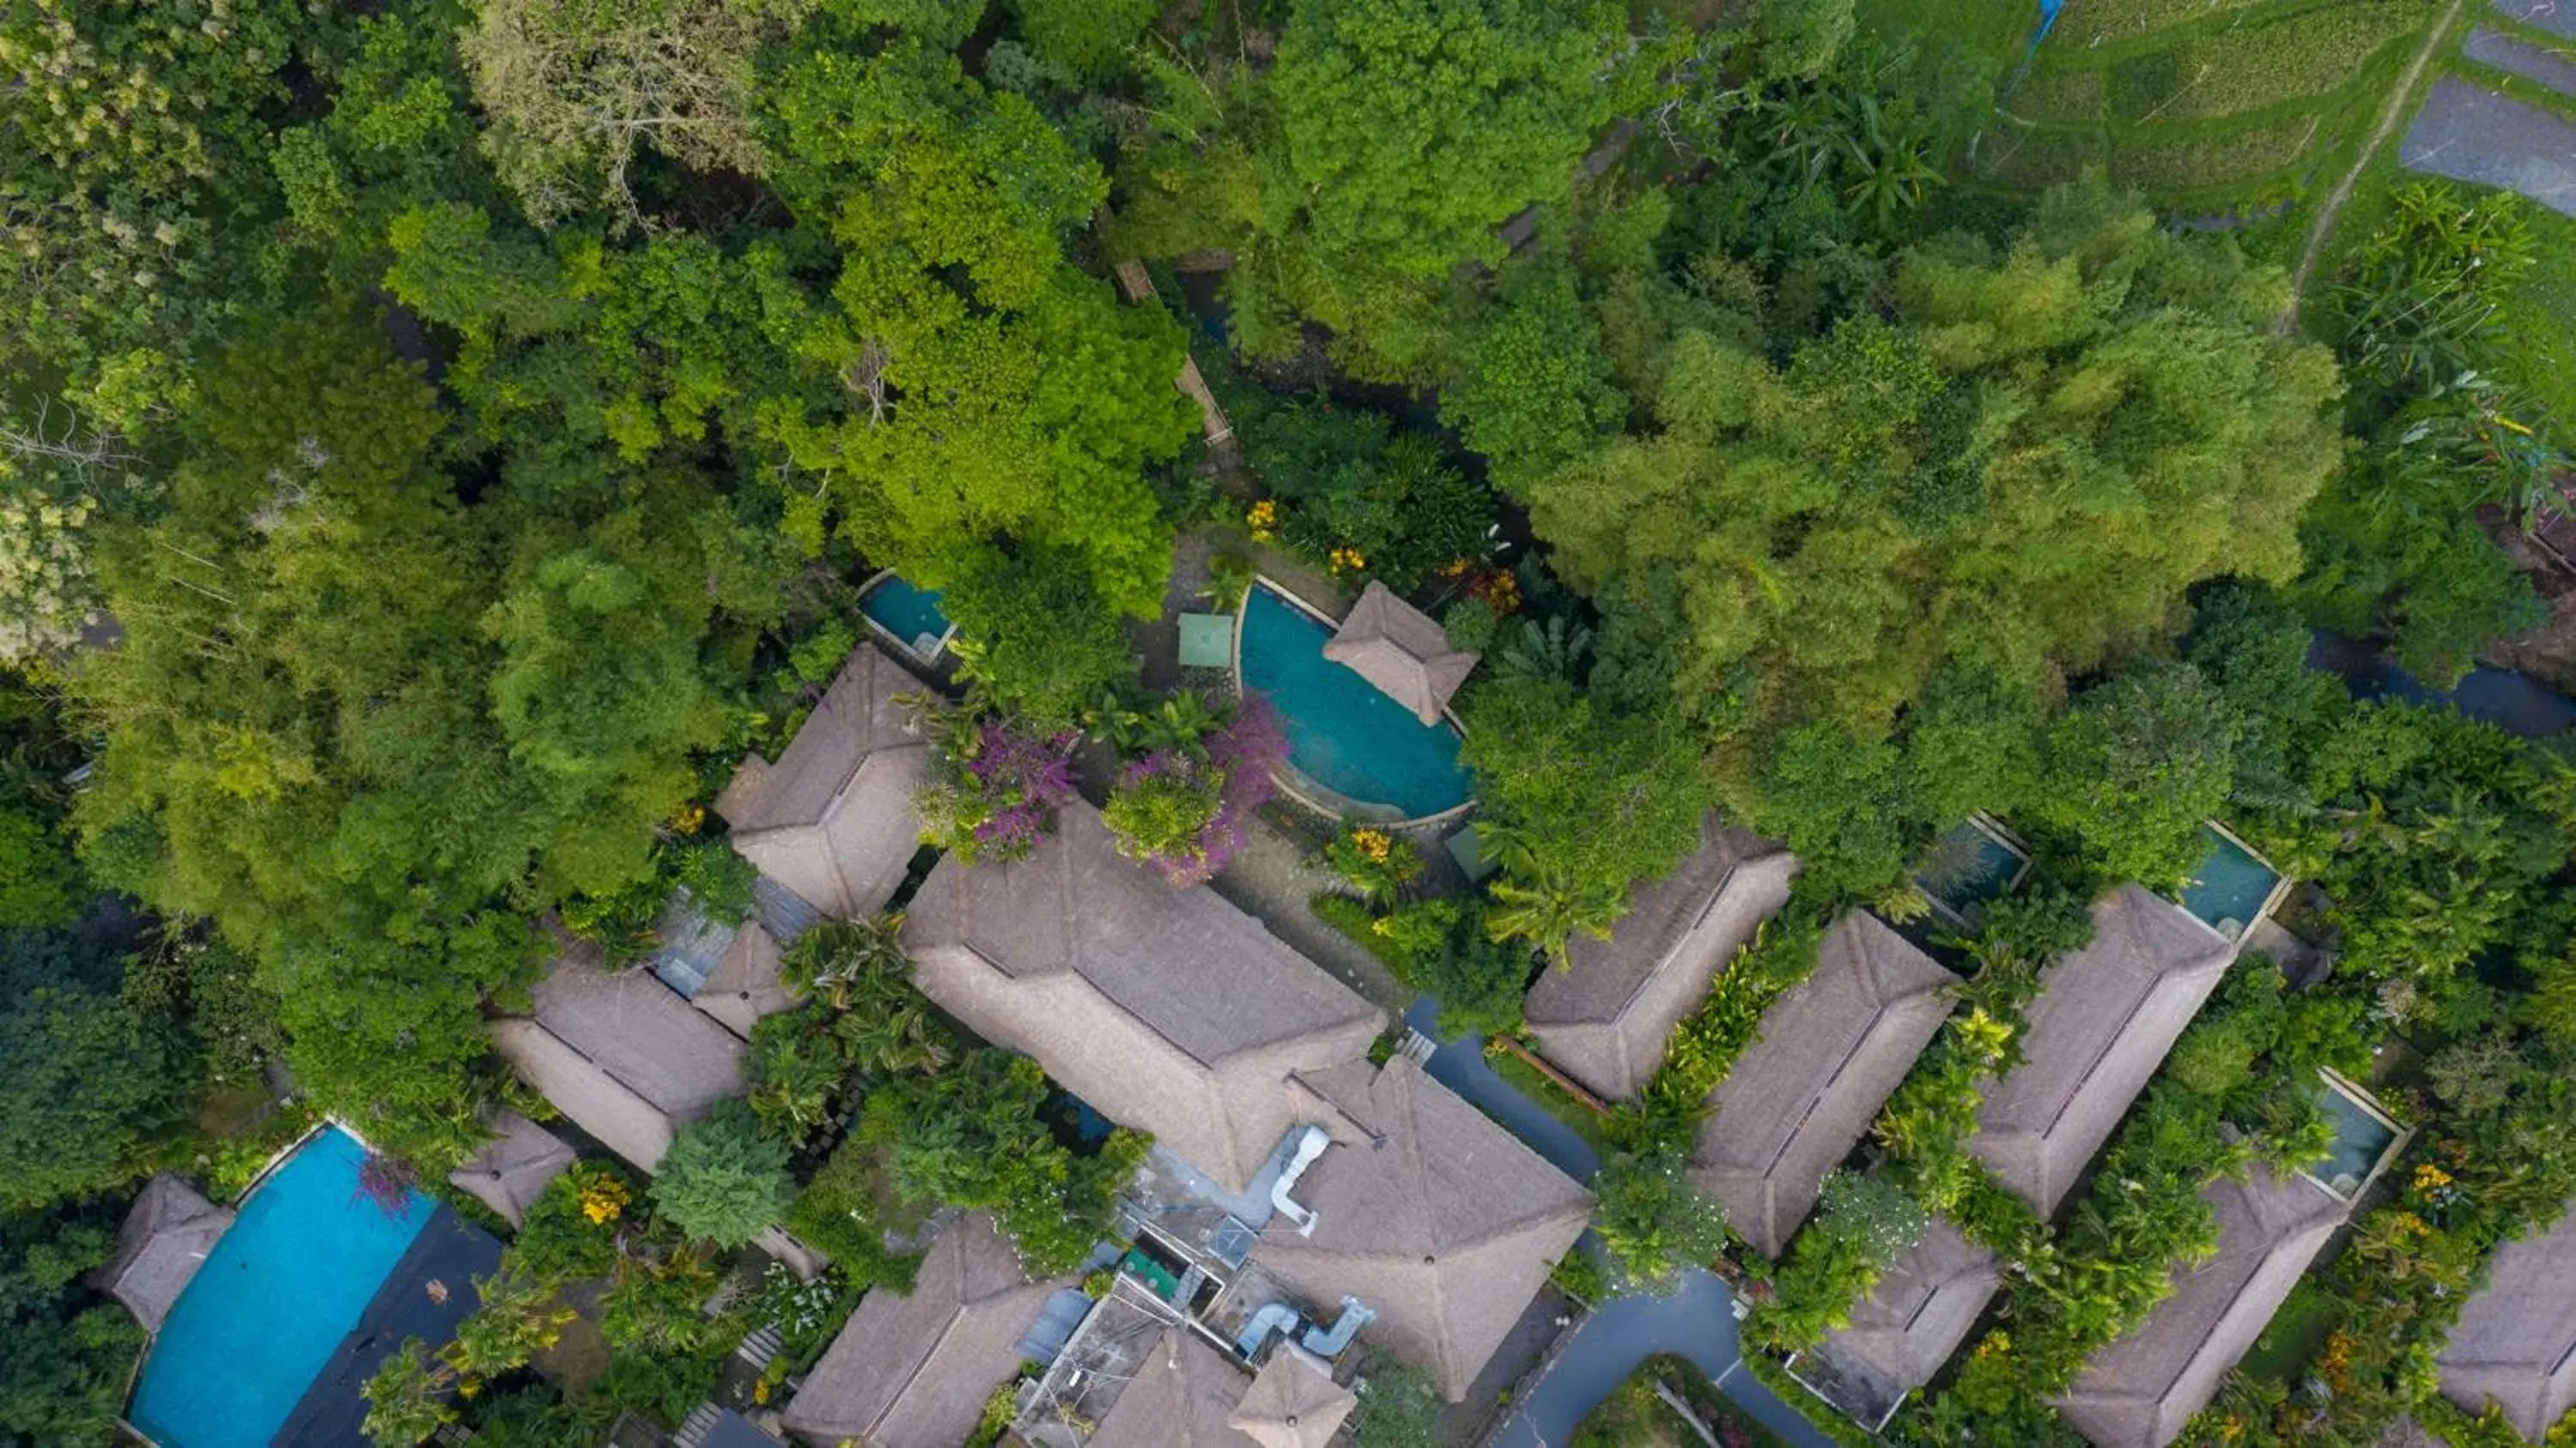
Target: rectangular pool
x=2232, y=888
x=263, y=1318
x=911, y=614
x=1971, y=866
x=2363, y=1138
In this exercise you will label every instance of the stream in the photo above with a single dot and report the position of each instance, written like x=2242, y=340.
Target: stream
x=2515, y=703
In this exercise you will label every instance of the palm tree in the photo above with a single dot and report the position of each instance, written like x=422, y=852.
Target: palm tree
x=1547, y=908
x=830, y=960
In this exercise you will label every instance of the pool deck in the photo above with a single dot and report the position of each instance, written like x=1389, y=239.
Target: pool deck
x=450, y=1251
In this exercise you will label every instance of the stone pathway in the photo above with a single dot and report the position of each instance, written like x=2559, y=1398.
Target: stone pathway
x=2323, y=229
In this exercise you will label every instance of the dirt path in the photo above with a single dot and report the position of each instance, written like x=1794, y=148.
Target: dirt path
x=2323, y=230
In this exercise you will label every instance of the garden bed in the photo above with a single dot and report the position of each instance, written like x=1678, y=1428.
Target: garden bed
x=1636, y=1416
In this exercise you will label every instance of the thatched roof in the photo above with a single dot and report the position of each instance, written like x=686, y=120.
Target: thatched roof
x=1189, y=1394
x=1428, y=1212
x=832, y=819
x=2139, y=1391
x=2103, y=1021
x=1293, y=1402
x=1605, y=1018
x=510, y=1170
x=744, y=987
x=621, y=1055
x=1181, y=1396
x=1402, y=650
x=1168, y=1010
x=1829, y=1053
x=2515, y=1342
x=167, y=1234
x=1910, y=1324
x=913, y=1371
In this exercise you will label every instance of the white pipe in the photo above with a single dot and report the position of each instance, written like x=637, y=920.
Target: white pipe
x=1310, y=1145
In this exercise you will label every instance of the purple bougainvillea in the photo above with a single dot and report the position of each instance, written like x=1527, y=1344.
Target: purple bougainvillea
x=998, y=801
x=386, y=1181
x=1230, y=773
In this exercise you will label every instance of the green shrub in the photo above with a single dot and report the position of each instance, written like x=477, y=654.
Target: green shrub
x=723, y=1180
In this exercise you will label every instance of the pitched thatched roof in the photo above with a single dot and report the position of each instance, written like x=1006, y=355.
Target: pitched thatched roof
x=1428, y=1212
x=2103, y=1021
x=2139, y=1391
x=832, y=819
x=2515, y=1342
x=1901, y=1334
x=1168, y=1010
x=1605, y=1018
x=914, y=1371
x=509, y=1172
x=1293, y=1403
x=744, y=986
x=1189, y=1394
x=1829, y=1053
x=167, y=1234
x=1402, y=650
x=1181, y=1396
x=621, y=1055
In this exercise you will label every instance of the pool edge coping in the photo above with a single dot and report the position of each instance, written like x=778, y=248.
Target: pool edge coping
x=1281, y=775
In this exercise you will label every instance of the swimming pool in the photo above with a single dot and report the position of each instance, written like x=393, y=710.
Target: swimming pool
x=263, y=1318
x=1971, y=866
x=2362, y=1139
x=912, y=615
x=2232, y=888
x=1342, y=732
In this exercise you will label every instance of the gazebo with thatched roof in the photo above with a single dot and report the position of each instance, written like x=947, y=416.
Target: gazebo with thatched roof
x=1293, y=1402
x=1402, y=650
x=513, y=1168
x=167, y=1235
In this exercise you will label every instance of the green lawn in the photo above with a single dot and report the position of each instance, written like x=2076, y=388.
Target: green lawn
x=2293, y=1337
x=1634, y=1417
x=1528, y=1080
x=2206, y=108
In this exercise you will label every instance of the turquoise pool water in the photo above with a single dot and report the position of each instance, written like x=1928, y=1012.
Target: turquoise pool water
x=262, y=1317
x=2360, y=1139
x=2229, y=885
x=910, y=614
x=1968, y=869
x=1342, y=732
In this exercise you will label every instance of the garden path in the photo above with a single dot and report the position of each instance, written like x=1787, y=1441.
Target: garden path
x=2323, y=229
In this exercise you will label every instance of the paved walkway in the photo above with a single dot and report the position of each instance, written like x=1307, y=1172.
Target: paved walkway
x=1697, y=1322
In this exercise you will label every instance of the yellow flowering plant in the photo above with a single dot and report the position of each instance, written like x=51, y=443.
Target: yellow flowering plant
x=1375, y=863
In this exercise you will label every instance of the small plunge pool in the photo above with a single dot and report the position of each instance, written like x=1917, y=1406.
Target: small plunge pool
x=2363, y=1136
x=1342, y=733
x=2232, y=889
x=910, y=616
x=1971, y=866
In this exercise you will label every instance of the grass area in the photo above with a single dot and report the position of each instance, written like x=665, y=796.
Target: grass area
x=1352, y=918
x=2296, y=1331
x=2206, y=107
x=1633, y=1416
x=1528, y=1080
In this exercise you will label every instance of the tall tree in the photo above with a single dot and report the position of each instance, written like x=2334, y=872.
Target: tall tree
x=964, y=382
x=2020, y=472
